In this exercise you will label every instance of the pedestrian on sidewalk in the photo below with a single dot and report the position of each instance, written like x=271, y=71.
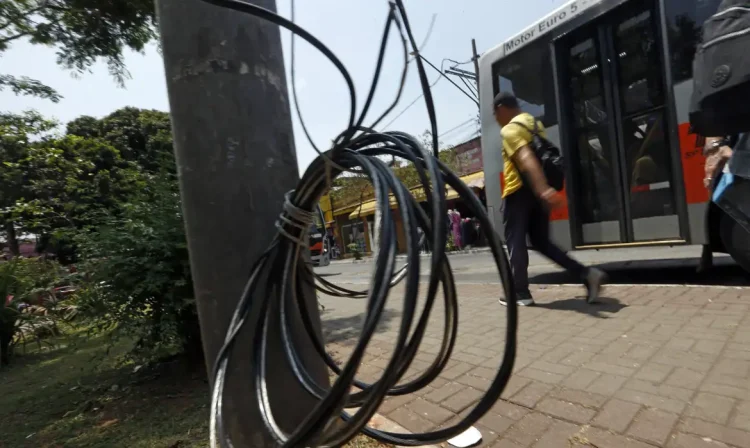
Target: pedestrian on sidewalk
x=528, y=200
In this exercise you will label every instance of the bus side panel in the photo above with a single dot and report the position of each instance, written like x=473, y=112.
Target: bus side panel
x=491, y=140
x=691, y=153
x=493, y=158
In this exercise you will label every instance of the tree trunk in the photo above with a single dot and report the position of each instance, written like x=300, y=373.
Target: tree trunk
x=10, y=232
x=6, y=337
x=190, y=334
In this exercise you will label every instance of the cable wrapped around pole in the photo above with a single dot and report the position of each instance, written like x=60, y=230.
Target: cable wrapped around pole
x=273, y=290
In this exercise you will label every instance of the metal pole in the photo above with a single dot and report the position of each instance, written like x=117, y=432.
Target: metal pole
x=475, y=57
x=446, y=77
x=235, y=154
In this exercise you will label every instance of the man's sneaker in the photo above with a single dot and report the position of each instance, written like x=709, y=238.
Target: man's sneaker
x=522, y=299
x=594, y=280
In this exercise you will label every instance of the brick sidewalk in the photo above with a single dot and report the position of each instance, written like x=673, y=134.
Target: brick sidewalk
x=649, y=366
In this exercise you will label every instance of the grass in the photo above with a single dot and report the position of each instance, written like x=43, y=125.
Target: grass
x=83, y=396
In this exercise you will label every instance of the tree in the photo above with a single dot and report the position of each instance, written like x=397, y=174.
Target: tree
x=51, y=186
x=17, y=132
x=142, y=136
x=81, y=30
x=138, y=267
x=69, y=181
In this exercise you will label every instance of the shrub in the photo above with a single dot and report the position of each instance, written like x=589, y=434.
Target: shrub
x=29, y=309
x=137, y=273
x=354, y=250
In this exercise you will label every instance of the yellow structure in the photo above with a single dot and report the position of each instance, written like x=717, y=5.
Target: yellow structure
x=326, y=208
x=368, y=208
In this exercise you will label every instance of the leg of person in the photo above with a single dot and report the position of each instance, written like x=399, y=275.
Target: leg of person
x=592, y=278
x=516, y=220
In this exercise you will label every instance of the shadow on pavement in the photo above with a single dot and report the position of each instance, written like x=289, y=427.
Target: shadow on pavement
x=347, y=330
x=604, y=306
x=660, y=272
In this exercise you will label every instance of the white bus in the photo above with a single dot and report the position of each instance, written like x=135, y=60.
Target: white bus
x=611, y=81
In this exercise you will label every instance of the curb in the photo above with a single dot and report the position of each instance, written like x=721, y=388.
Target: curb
x=482, y=250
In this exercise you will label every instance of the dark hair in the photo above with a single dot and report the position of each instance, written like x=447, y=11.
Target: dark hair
x=506, y=99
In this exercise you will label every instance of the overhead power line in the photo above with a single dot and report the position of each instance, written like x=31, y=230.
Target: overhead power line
x=455, y=128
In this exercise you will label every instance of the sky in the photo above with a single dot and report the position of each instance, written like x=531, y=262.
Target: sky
x=350, y=28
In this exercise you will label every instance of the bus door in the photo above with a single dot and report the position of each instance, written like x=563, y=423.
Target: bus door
x=611, y=83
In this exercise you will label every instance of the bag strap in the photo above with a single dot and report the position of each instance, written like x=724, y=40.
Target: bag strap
x=534, y=131
x=524, y=181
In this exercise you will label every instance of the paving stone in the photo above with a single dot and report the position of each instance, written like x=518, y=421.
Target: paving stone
x=429, y=411
x=682, y=377
x=654, y=372
x=532, y=394
x=730, y=436
x=411, y=420
x=711, y=408
x=599, y=438
x=581, y=379
x=442, y=393
x=616, y=415
x=655, y=401
x=653, y=425
x=462, y=400
x=566, y=410
x=607, y=384
x=587, y=399
x=529, y=429
x=558, y=434
x=680, y=440
x=509, y=410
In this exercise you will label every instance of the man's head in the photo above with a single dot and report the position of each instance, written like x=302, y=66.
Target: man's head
x=506, y=107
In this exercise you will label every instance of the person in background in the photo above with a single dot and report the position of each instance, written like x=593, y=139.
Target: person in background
x=528, y=200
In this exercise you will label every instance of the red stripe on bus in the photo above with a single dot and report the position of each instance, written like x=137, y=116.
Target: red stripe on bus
x=561, y=214
x=691, y=152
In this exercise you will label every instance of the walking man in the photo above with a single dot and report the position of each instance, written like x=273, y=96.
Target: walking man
x=528, y=199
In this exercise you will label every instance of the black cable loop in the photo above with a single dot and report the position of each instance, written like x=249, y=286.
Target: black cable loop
x=278, y=278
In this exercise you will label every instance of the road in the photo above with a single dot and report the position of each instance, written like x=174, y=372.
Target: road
x=652, y=265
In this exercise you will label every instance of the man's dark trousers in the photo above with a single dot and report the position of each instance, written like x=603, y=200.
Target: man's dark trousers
x=525, y=215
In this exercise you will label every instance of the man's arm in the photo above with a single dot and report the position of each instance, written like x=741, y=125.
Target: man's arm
x=717, y=154
x=528, y=164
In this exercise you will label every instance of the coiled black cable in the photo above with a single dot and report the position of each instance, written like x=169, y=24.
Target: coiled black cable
x=358, y=149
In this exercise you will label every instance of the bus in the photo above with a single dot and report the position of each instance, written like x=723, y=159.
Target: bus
x=611, y=80
x=320, y=250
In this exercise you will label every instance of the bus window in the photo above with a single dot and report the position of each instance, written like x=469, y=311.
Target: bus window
x=527, y=74
x=318, y=219
x=684, y=21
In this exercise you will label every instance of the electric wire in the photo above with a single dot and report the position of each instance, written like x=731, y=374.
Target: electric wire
x=276, y=287
x=457, y=127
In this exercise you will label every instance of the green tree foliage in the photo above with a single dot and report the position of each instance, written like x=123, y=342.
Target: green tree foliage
x=81, y=30
x=142, y=136
x=69, y=181
x=108, y=188
x=52, y=186
x=137, y=265
x=17, y=132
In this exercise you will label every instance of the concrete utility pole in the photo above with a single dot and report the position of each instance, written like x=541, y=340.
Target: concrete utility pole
x=236, y=159
x=475, y=57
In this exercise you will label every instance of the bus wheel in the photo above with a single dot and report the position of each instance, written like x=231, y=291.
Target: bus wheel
x=736, y=240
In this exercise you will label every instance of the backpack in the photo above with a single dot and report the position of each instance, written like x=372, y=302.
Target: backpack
x=721, y=72
x=550, y=157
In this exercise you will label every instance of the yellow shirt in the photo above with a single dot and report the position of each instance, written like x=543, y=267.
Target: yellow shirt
x=516, y=137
